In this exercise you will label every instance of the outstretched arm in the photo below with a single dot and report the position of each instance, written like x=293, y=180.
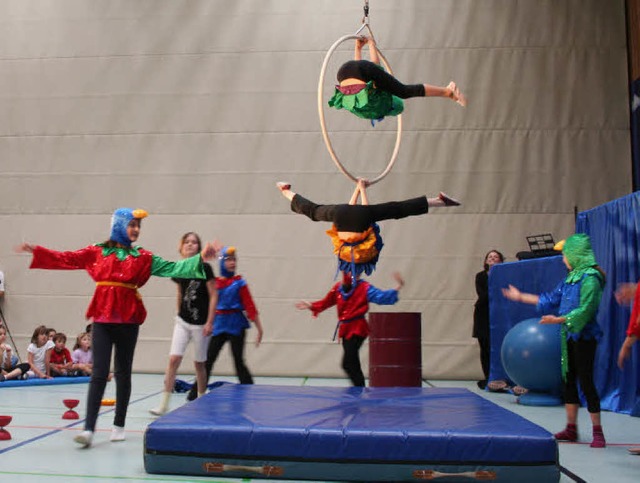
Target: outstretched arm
x=362, y=186
x=25, y=248
x=374, y=56
x=361, y=189
x=355, y=196
x=625, y=350
x=357, y=53
x=399, y=280
x=258, y=324
x=515, y=295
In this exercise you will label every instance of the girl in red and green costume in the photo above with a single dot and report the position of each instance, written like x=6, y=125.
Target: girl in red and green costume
x=576, y=301
x=369, y=92
x=119, y=270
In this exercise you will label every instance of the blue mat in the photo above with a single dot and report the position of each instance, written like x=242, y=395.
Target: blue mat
x=349, y=434
x=45, y=382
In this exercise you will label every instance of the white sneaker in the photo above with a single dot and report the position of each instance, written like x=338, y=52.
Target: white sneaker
x=117, y=434
x=84, y=438
x=159, y=411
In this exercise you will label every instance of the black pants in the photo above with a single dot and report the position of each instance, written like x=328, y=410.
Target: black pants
x=351, y=359
x=358, y=218
x=237, y=350
x=103, y=338
x=23, y=366
x=581, y=354
x=485, y=355
x=366, y=71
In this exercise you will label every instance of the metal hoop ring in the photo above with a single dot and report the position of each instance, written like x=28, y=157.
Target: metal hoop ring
x=325, y=134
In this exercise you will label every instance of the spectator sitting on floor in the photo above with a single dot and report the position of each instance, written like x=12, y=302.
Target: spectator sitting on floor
x=60, y=362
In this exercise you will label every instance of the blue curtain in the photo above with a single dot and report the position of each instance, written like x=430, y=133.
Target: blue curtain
x=614, y=229
x=635, y=132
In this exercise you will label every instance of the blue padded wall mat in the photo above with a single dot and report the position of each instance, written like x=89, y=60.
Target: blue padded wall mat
x=313, y=432
x=44, y=382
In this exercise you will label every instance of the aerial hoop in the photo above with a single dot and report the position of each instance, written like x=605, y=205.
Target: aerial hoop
x=325, y=134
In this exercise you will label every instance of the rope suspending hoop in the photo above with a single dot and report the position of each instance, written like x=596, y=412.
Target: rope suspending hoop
x=321, y=103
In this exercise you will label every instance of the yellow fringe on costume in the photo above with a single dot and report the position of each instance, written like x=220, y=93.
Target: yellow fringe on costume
x=364, y=251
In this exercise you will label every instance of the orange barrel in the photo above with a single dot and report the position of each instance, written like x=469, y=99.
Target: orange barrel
x=395, y=351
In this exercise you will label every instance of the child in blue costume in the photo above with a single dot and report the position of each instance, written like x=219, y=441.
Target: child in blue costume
x=576, y=301
x=234, y=310
x=369, y=92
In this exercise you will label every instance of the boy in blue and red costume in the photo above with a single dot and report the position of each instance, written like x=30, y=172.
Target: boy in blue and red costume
x=351, y=298
x=234, y=310
x=119, y=269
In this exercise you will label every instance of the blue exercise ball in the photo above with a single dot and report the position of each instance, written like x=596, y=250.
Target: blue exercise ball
x=531, y=356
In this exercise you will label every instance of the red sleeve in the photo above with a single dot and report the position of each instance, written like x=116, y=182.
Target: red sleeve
x=51, y=259
x=67, y=355
x=634, y=323
x=247, y=302
x=329, y=300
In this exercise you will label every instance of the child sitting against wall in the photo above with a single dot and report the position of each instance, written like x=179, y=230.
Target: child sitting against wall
x=10, y=366
x=82, y=356
x=39, y=354
x=60, y=362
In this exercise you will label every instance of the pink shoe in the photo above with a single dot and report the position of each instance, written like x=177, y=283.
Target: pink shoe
x=598, y=438
x=448, y=200
x=570, y=433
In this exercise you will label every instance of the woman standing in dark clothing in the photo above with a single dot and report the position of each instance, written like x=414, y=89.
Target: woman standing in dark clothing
x=481, y=313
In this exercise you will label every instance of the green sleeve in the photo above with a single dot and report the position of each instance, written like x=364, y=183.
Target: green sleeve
x=188, y=268
x=590, y=295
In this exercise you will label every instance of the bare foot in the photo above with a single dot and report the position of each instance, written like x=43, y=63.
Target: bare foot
x=456, y=95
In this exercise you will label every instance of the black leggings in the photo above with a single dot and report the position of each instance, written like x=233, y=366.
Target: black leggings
x=358, y=218
x=485, y=355
x=581, y=354
x=103, y=337
x=366, y=71
x=23, y=366
x=351, y=359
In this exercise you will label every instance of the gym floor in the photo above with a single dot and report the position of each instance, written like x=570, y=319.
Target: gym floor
x=42, y=450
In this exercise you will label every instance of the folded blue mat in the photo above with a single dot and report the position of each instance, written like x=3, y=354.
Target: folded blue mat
x=45, y=382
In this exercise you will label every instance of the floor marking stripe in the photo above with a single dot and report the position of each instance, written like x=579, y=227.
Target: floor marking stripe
x=69, y=426
x=571, y=475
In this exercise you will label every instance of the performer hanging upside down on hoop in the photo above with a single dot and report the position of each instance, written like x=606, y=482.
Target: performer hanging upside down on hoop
x=369, y=92
x=355, y=233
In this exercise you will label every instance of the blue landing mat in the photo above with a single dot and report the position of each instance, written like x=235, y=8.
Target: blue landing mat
x=45, y=382
x=349, y=434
